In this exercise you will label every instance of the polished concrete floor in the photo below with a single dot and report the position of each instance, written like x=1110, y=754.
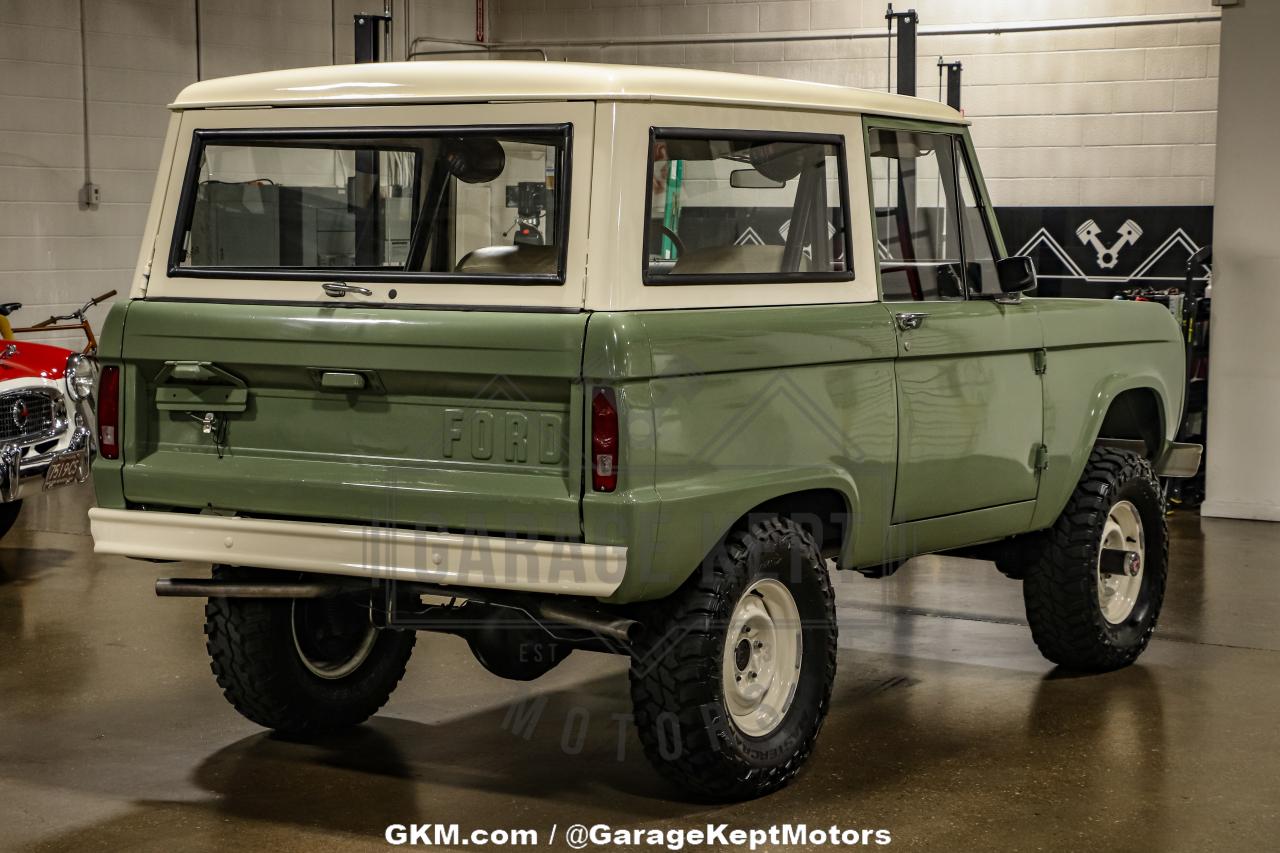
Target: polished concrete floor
x=947, y=728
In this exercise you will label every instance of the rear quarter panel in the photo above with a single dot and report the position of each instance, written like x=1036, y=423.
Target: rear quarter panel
x=1098, y=349
x=726, y=409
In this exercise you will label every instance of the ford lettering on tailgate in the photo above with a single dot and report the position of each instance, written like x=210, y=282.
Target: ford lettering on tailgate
x=491, y=435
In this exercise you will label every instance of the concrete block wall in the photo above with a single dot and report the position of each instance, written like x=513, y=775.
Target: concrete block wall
x=1109, y=116
x=140, y=53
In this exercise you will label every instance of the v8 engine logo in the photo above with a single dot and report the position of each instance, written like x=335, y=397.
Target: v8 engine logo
x=1108, y=255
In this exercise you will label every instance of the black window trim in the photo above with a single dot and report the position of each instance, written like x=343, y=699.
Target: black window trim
x=201, y=137
x=954, y=138
x=835, y=140
x=961, y=158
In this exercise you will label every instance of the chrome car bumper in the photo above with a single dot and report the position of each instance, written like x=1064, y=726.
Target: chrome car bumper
x=20, y=478
x=1179, y=460
x=354, y=550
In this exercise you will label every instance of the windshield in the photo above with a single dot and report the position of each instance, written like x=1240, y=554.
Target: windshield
x=456, y=203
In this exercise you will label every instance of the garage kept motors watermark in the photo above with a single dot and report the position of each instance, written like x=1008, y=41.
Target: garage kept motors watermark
x=580, y=836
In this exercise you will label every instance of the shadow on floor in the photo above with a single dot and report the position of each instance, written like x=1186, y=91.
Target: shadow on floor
x=19, y=565
x=581, y=762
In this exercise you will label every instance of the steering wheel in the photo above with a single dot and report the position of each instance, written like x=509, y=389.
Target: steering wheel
x=674, y=237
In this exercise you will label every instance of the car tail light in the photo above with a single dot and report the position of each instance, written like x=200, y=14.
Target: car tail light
x=604, y=441
x=109, y=413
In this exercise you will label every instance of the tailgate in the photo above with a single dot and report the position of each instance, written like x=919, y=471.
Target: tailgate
x=444, y=419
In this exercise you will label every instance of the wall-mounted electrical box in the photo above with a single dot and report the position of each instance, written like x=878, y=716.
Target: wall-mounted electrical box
x=90, y=196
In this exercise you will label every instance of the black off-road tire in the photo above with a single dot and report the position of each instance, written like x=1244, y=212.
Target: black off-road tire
x=9, y=516
x=676, y=674
x=1061, y=589
x=260, y=669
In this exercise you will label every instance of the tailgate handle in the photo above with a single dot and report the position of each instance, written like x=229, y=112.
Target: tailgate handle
x=335, y=380
x=187, y=386
x=190, y=371
x=346, y=380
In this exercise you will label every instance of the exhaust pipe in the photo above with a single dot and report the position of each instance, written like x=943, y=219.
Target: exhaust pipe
x=568, y=612
x=209, y=588
x=616, y=628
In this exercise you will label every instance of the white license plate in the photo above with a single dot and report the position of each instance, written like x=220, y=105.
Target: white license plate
x=65, y=468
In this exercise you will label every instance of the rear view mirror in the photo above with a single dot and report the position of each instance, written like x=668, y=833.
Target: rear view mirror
x=750, y=179
x=1017, y=274
x=473, y=159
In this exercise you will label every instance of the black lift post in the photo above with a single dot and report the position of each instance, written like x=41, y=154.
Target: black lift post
x=953, y=71
x=364, y=187
x=907, y=22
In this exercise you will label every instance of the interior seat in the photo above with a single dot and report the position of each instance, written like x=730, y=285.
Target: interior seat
x=519, y=259
x=729, y=260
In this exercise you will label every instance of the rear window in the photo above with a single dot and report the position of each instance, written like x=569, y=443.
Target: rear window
x=464, y=204
x=746, y=207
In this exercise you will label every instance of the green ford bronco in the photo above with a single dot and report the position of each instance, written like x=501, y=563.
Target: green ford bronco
x=558, y=357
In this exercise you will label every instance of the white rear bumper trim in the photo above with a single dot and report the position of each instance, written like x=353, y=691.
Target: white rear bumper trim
x=491, y=562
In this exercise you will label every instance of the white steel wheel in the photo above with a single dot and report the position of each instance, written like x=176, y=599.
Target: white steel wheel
x=762, y=655
x=332, y=637
x=1120, y=575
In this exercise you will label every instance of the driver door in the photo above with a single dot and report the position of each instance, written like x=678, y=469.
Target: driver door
x=970, y=418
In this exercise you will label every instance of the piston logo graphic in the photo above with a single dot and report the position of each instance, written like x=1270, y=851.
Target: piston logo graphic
x=1108, y=255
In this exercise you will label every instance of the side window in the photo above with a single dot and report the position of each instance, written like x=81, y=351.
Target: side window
x=918, y=233
x=746, y=208
x=979, y=251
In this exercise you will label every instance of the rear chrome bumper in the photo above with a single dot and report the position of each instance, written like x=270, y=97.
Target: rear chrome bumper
x=1179, y=460
x=353, y=550
x=22, y=478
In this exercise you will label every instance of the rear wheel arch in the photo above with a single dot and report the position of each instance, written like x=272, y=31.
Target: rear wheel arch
x=824, y=513
x=692, y=534
x=1136, y=414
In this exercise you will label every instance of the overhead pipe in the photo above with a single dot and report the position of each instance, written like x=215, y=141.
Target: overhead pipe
x=876, y=33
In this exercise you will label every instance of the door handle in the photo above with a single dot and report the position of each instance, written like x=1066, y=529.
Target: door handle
x=909, y=320
x=341, y=288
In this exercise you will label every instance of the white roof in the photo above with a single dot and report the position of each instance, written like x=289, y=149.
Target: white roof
x=488, y=80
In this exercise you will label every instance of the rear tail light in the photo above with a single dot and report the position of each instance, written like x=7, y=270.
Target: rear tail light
x=109, y=413
x=604, y=441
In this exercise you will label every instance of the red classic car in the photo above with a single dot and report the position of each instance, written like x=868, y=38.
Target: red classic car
x=46, y=409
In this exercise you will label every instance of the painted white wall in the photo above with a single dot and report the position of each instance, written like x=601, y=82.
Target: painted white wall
x=1107, y=117
x=1244, y=372
x=140, y=53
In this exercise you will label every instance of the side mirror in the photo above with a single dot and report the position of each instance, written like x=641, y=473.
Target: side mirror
x=1017, y=274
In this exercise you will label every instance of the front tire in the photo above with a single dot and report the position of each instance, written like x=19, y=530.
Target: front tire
x=1094, y=594
x=9, y=513
x=304, y=667
x=732, y=686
